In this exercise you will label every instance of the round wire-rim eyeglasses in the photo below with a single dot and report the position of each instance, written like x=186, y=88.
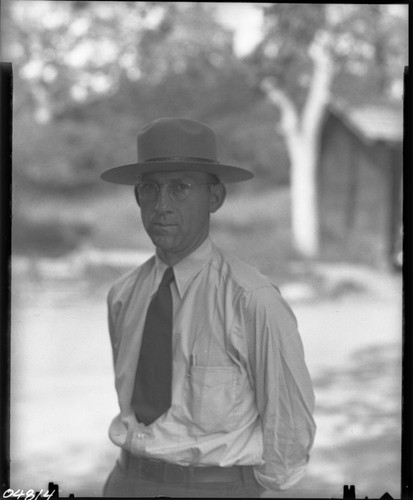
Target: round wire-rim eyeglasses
x=177, y=190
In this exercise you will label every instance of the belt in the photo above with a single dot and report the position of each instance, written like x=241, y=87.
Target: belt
x=164, y=472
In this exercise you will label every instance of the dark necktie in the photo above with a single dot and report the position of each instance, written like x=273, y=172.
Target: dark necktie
x=153, y=383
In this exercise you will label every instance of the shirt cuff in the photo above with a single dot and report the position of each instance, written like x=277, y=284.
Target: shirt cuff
x=279, y=482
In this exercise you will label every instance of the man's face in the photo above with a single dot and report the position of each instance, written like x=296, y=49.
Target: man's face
x=176, y=227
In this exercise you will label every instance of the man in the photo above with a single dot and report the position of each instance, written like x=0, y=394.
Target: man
x=215, y=398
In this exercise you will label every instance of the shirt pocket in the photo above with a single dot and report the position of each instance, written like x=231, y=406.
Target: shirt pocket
x=213, y=395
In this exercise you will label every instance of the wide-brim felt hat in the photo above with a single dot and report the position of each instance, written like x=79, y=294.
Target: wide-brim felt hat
x=176, y=144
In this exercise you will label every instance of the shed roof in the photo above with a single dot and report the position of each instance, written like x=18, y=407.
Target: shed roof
x=381, y=122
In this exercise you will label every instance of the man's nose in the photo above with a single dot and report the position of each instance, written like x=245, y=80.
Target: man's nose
x=163, y=201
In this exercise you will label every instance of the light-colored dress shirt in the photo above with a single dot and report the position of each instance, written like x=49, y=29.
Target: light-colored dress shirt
x=241, y=392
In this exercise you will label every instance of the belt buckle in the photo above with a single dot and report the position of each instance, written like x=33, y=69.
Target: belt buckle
x=174, y=474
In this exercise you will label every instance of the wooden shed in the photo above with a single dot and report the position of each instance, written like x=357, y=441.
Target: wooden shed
x=360, y=183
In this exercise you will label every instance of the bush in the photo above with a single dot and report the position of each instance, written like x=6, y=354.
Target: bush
x=48, y=237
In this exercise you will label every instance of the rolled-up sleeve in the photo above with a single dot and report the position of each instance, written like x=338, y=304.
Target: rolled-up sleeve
x=283, y=388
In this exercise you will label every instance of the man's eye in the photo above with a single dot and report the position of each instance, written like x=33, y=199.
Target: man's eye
x=180, y=186
x=149, y=187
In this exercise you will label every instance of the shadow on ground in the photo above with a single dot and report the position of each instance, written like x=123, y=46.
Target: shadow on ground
x=359, y=424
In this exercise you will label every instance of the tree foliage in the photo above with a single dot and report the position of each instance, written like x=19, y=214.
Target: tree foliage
x=69, y=53
x=367, y=42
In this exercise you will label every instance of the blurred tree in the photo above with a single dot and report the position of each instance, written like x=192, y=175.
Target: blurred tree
x=305, y=50
x=68, y=53
x=72, y=53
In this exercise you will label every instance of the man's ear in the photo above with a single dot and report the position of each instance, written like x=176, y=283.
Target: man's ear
x=217, y=197
x=135, y=190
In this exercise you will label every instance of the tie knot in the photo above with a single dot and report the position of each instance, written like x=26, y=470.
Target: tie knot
x=168, y=277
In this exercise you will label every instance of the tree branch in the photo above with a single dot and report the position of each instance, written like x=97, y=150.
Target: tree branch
x=289, y=115
x=319, y=92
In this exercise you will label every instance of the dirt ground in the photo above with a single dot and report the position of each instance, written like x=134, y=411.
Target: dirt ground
x=63, y=397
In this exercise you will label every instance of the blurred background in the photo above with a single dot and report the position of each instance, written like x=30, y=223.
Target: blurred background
x=310, y=98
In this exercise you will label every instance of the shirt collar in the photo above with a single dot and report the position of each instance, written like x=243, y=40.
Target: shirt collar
x=187, y=268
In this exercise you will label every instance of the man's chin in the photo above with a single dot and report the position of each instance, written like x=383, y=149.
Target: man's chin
x=162, y=242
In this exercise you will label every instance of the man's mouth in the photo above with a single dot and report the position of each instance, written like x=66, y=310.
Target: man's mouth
x=163, y=225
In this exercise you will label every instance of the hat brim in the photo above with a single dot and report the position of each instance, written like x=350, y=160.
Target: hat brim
x=129, y=174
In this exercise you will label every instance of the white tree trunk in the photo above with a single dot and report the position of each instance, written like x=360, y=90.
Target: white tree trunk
x=304, y=200
x=302, y=139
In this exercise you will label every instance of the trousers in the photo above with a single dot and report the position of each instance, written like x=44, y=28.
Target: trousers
x=123, y=481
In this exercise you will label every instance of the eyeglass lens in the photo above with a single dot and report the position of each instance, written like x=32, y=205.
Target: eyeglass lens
x=178, y=191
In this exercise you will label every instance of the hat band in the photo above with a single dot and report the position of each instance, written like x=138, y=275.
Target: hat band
x=185, y=159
